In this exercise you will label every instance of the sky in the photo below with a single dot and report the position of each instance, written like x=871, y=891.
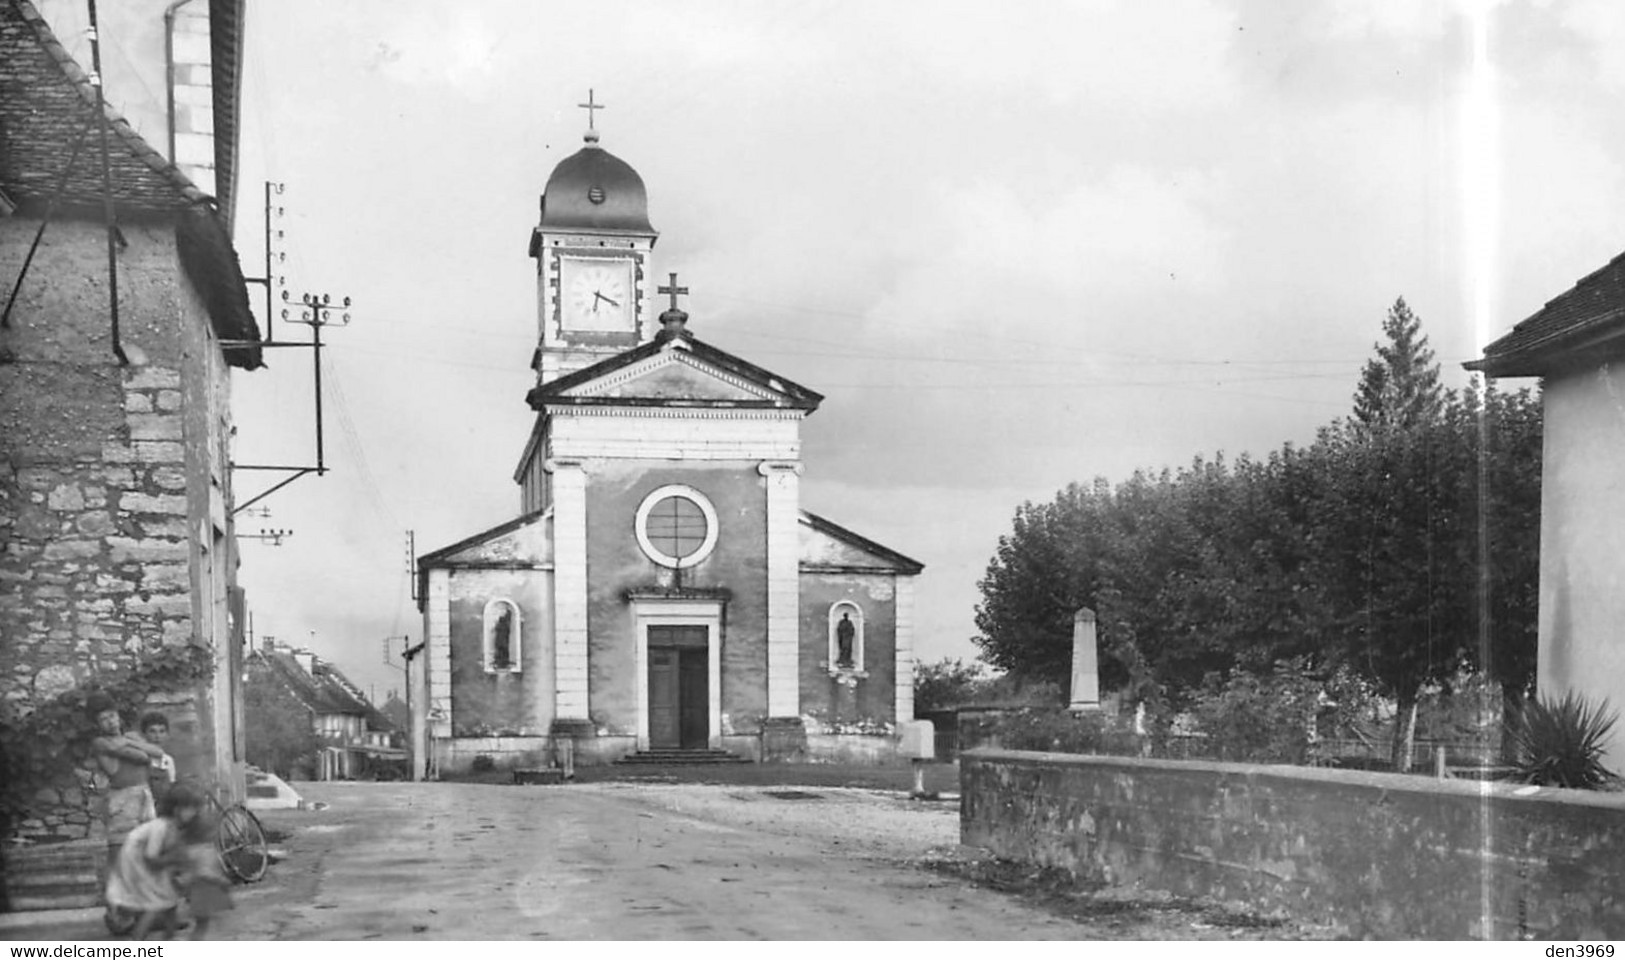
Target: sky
x=1014, y=245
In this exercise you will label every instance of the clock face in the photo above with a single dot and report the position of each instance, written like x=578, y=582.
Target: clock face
x=596, y=295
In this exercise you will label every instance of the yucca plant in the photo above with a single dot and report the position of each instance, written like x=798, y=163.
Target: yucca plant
x=1560, y=744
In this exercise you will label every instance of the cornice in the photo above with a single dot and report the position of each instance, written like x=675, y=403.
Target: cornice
x=674, y=413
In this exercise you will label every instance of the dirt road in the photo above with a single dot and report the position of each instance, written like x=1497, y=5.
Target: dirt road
x=620, y=861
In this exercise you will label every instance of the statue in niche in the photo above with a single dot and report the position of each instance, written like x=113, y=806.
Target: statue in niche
x=502, y=640
x=844, y=632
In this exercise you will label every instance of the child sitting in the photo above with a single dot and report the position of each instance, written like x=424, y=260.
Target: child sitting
x=142, y=878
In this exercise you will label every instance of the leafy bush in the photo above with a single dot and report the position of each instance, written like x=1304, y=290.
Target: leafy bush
x=1254, y=718
x=46, y=745
x=946, y=684
x=1561, y=744
x=1060, y=731
x=279, y=734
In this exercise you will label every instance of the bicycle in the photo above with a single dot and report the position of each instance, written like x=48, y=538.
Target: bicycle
x=239, y=842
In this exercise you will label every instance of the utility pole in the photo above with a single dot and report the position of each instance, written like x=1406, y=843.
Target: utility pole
x=272, y=537
x=314, y=310
x=407, y=655
x=412, y=561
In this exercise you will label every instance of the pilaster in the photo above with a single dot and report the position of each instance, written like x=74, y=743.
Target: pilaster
x=905, y=648
x=570, y=589
x=783, y=586
x=439, y=659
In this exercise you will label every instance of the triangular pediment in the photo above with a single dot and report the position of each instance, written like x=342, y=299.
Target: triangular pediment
x=826, y=546
x=527, y=541
x=676, y=369
x=674, y=375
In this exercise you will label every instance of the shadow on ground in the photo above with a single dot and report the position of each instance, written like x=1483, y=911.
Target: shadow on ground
x=940, y=778
x=1119, y=913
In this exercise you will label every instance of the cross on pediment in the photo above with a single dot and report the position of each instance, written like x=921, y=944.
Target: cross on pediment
x=674, y=290
x=590, y=107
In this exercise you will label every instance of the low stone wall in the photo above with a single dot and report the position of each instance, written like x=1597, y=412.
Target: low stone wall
x=1379, y=855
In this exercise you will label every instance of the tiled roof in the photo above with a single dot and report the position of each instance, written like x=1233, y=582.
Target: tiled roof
x=46, y=103
x=47, y=114
x=376, y=720
x=315, y=691
x=1585, y=323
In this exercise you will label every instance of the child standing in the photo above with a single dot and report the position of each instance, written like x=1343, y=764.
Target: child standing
x=142, y=878
x=125, y=760
x=160, y=769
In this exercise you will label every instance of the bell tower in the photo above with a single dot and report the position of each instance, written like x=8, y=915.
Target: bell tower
x=591, y=247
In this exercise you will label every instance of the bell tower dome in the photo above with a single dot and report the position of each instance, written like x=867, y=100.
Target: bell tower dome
x=591, y=245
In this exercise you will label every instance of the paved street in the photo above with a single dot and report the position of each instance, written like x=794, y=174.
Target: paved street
x=621, y=861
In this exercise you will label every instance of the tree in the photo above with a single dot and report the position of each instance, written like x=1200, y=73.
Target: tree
x=946, y=684
x=1400, y=546
x=1509, y=468
x=1396, y=529
x=1399, y=387
x=1393, y=547
x=1047, y=567
x=280, y=736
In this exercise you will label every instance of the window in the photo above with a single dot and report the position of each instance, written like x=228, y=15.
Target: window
x=676, y=526
x=501, y=637
x=846, y=637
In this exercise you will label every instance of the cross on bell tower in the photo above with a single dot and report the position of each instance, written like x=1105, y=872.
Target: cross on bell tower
x=673, y=289
x=673, y=319
x=590, y=107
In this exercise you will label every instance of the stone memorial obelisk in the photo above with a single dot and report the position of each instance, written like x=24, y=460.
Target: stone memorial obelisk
x=1085, y=663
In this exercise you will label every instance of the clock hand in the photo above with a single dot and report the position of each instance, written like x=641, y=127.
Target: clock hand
x=607, y=300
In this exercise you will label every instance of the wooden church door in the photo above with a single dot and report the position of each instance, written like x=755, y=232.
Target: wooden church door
x=679, y=688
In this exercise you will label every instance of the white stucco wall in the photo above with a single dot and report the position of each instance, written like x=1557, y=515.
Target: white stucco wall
x=1582, y=542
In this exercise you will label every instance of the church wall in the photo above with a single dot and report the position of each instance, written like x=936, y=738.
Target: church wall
x=501, y=704
x=616, y=563
x=849, y=703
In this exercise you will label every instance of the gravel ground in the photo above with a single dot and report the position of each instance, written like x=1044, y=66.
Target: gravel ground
x=880, y=823
x=887, y=825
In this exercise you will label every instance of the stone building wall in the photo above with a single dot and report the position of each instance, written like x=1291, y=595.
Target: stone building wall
x=106, y=486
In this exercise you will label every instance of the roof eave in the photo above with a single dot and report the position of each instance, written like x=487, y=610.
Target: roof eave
x=1576, y=348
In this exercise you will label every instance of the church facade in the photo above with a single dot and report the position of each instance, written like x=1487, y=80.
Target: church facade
x=661, y=588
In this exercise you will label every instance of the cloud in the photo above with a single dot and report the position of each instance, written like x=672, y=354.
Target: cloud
x=1600, y=24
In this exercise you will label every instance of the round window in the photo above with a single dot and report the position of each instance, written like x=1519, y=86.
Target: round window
x=676, y=526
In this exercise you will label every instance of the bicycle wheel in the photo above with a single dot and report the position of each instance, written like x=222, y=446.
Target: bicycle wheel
x=241, y=842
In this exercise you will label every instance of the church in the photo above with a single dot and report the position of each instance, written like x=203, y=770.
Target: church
x=661, y=591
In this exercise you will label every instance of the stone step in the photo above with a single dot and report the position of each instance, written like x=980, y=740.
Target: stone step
x=59, y=877
x=667, y=757
x=50, y=876
x=63, y=901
